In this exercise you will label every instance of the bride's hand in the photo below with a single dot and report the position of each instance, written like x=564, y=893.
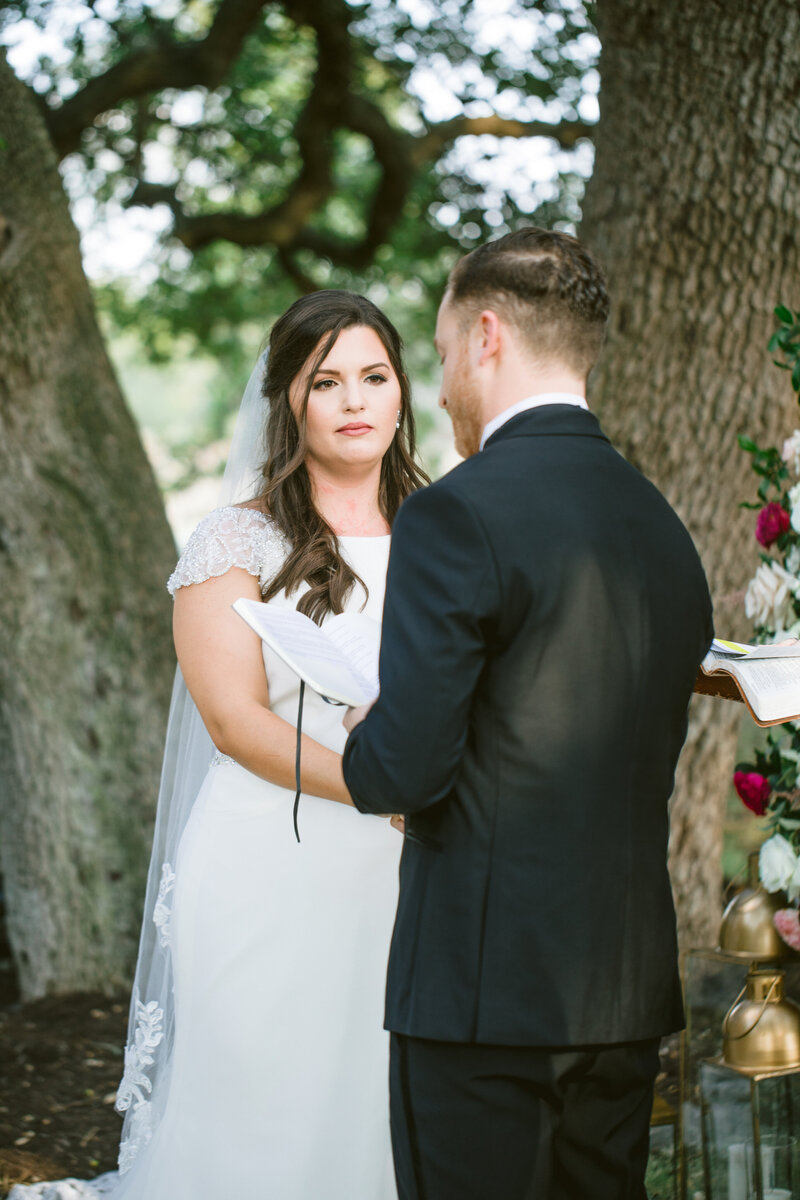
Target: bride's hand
x=398, y=821
x=354, y=716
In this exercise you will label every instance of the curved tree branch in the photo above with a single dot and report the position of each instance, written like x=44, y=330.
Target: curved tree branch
x=392, y=151
x=278, y=226
x=431, y=144
x=281, y=224
x=302, y=281
x=171, y=64
x=399, y=154
x=331, y=105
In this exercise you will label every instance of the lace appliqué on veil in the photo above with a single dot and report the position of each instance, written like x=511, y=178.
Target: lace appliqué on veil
x=161, y=911
x=230, y=537
x=136, y=1085
x=67, y=1189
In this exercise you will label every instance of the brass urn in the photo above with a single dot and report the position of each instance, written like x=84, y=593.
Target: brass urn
x=761, y=1032
x=748, y=927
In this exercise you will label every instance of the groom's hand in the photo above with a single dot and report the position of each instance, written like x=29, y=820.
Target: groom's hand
x=354, y=716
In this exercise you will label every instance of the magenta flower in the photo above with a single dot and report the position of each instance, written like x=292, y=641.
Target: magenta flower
x=787, y=923
x=773, y=520
x=753, y=790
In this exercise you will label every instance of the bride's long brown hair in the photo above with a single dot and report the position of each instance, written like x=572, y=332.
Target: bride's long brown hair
x=316, y=321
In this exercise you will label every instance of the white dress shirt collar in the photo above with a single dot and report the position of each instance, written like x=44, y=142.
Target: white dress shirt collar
x=530, y=402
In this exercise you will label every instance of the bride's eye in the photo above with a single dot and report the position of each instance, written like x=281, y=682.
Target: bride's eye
x=321, y=385
x=375, y=377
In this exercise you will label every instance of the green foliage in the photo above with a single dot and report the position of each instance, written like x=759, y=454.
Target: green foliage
x=786, y=341
x=661, y=1169
x=770, y=466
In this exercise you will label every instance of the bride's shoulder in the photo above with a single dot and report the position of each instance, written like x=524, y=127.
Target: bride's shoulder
x=237, y=535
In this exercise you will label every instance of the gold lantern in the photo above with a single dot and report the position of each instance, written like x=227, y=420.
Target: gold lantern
x=760, y=1048
x=748, y=927
x=761, y=1031
x=741, y=1063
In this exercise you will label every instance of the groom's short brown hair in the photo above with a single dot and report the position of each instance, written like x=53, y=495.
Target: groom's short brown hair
x=546, y=284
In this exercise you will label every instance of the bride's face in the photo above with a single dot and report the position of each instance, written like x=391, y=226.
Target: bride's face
x=353, y=404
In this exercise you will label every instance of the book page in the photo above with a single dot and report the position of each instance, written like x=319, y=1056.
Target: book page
x=741, y=650
x=309, y=651
x=773, y=652
x=359, y=639
x=772, y=685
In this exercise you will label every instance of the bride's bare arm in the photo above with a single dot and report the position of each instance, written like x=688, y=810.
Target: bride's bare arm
x=222, y=664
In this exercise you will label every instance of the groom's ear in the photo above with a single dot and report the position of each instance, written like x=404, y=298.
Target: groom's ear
x=490, y=334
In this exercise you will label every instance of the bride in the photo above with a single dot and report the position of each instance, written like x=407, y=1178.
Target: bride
x=257, y=1065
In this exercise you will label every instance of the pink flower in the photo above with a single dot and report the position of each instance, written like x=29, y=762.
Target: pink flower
x=773, y=520
x=753, y=790
x=787, y=923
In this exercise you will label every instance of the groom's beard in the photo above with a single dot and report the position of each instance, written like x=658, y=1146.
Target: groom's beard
x=464, y=408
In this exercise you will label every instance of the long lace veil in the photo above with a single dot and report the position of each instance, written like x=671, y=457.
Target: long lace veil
x=187, y=754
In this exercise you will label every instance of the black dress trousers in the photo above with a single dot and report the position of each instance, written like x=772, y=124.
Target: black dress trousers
x=478, y=1122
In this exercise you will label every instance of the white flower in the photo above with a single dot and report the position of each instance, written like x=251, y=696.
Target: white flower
x=768, y=599
x=791, y=452
x=778, y=865
x=793, y=560
x=793, y=496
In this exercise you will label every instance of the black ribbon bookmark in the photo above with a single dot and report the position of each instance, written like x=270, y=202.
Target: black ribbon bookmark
x=338, y=704
x=297, y=757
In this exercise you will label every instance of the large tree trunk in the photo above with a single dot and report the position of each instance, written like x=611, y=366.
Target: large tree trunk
x=693, y=207
x=85, y=656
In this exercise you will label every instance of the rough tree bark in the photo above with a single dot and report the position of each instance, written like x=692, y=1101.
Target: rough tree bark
x=85, y=654
x=693, y=207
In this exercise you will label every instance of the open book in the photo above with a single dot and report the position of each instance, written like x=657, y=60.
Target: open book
x=767, y=678
x=339, y=660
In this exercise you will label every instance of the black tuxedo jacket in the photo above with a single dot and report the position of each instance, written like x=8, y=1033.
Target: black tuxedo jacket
x=545, y=615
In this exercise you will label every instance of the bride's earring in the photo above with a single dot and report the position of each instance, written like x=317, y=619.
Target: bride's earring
x=397, y=422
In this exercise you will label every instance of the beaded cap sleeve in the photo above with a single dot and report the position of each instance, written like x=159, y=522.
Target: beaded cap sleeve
x=230, y=537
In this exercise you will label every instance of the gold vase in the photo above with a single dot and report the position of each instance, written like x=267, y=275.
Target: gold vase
x=748, y=927
x=761, y=1031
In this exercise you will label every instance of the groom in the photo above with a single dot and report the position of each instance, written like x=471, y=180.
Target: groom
x=545, y=616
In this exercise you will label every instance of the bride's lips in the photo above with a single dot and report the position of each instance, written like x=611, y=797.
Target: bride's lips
x=355, y=429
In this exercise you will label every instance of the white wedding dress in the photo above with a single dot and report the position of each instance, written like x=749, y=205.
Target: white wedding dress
x=279, y=1081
